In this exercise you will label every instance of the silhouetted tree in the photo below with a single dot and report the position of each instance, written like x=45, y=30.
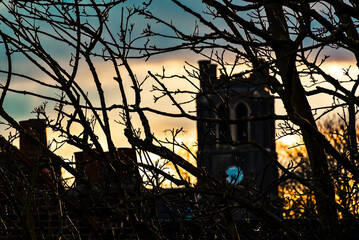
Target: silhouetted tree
x=69, y=43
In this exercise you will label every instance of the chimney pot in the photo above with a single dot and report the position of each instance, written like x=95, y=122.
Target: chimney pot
x=208, y=73
x=37, y=128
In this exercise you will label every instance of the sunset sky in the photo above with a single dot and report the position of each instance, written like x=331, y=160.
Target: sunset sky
x=20, y=106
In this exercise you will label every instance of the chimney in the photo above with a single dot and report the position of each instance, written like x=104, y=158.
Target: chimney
x=208, y=74
x=88, y=166
x=96, y=171
x=37, y=128
x=127, y=155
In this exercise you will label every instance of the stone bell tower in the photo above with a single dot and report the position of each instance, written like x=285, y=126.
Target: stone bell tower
x=230, y=147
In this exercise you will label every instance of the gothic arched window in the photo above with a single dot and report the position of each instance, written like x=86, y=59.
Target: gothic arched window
x=242, y=129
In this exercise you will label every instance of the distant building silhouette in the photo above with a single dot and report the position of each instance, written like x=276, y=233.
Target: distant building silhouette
x=230, y=150
x=51, y=211
x=225, y=148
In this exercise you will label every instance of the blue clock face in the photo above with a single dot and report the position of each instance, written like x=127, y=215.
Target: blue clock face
x=235, y=175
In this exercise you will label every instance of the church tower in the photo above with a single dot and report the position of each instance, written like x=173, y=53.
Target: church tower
x=229, y=147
